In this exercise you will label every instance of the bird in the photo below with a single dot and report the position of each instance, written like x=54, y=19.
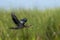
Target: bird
x=19, y=24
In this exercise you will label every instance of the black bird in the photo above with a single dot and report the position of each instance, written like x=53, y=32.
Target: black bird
x=20, y=24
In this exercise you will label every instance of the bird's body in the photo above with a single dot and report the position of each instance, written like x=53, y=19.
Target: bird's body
x=19, y=24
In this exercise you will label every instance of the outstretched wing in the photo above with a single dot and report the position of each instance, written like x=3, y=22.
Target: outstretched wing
x=14, y=18
x=14, y=28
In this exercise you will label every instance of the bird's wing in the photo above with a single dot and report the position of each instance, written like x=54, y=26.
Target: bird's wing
x=15, y=20
x=14, y=28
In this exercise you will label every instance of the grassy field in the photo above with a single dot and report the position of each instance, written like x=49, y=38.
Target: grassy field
x=45, y=25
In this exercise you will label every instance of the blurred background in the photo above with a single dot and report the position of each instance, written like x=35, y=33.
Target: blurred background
x=43, y=15
x=41, y=4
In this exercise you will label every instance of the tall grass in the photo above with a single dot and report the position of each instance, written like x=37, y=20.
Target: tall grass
x=45, y=25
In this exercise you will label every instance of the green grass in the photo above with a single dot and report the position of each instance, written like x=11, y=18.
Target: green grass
x=45, y=25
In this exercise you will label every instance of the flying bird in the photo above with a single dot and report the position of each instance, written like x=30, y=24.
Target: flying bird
x=19, y=24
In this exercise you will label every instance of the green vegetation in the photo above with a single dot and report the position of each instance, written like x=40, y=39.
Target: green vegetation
x=45, y=25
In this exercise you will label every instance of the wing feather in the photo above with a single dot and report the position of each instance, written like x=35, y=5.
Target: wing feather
x=15, y=19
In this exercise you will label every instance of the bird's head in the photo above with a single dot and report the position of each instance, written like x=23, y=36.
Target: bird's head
x=24, y=20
